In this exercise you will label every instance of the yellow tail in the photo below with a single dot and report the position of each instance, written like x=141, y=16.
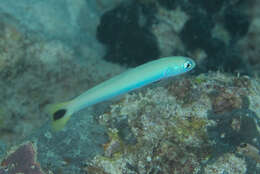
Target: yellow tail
x=59, y=115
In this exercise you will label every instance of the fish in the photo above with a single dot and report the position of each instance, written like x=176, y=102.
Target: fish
x=250, y=151
x=129, y=80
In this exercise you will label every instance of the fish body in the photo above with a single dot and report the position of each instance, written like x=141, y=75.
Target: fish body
x=250, y=151
x=127, y=81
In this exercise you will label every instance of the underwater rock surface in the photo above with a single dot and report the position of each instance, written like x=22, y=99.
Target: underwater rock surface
x=124, y=47
x=209, y=32
x=65, y=152
x=35, y=72
x=205, y=124
x=64, y=19
x=68, y=151
x=194, y=133
x=21, y=160
x=192, y=125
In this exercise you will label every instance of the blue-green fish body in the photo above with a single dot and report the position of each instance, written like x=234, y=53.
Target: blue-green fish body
x=130, y=80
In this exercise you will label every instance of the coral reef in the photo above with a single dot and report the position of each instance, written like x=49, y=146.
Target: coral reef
x=201, y=136
x=74, y=22
x=169, y=24
x=35, y=72
x=209, y=32
x=21, y=160
x=189, y=125
x=192, y=125
x=124, y=47
x=66, y=151
x=228, y=163
x=223, y=101
x=230, y=132
x=248, y=44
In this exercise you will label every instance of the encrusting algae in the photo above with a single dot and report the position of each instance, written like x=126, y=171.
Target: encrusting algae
x=173, y=137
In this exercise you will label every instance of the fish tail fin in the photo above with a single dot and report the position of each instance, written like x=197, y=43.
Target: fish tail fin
x=59, y=115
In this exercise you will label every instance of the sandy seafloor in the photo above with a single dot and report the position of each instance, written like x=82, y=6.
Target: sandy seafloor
x=204, y=122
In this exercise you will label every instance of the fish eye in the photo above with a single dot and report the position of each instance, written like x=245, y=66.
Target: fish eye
x=187, y=65
x=243, y=145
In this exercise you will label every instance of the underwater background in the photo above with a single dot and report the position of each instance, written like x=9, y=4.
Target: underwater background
x=204, y=122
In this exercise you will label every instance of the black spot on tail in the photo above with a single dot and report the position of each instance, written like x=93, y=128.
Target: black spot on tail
x=59, y=114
